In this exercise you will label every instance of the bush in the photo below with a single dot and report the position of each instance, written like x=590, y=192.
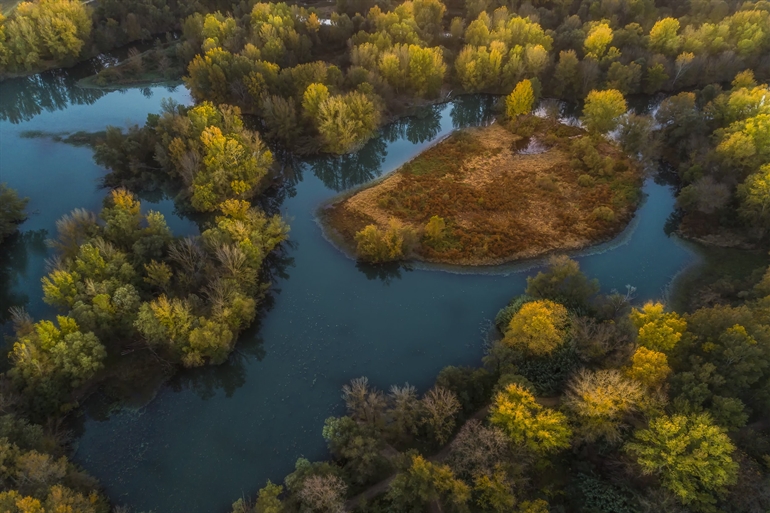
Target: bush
x=585, y=181
x=605, y=214
x=376, y=245
x=504, y=316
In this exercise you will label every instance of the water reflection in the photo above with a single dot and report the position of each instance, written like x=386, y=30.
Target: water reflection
x=386, y=272
x=473, y=110
x=25, y=98
x=346, y=171
x=15, y=252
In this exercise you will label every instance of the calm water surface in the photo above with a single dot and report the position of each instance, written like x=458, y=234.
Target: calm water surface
x=216, y=434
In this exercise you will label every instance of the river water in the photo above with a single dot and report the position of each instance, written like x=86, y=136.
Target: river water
x=214, y=435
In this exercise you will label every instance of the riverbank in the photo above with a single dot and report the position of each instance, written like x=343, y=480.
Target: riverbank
x=496, y=194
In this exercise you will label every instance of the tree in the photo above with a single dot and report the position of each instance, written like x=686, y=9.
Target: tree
x=403, y=411
x=598, y=41
x=540, y=430
x=664, y=38
x=11, y=210
x=425, y=482
x=323, y=494
x=649, y=367
x=364, y=404
x=47, y=30
x=440, y=407
x=602, y=110
x=658, y=331
x=692, y=456
x=377, y=245
x=345, y=121
x=357, y=447
x=600, y=400
x=48, y=361
x=562, y=282
x=478, y=449
x=538, y=328
x=494, y=491
x=314, y=95
x=521, y=100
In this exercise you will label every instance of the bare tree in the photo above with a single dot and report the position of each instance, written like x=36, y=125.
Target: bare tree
x=323, y=494
x=364, y=404
x=477, y=449
x=404, y=410
x=440, y=406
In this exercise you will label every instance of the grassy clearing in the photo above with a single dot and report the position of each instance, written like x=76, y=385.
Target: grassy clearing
x=503, y=193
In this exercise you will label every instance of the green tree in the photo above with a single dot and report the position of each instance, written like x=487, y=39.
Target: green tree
x=425, y=482
x=48, y=361
x=562, y=282
x=521, y=100
x=692, y=457
x=602, y=110
x=357, y=447
x=527, y=423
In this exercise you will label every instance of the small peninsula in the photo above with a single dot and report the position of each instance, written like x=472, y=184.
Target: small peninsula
x=491, y=195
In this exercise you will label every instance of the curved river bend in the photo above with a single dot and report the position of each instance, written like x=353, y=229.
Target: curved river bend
x=214, y=435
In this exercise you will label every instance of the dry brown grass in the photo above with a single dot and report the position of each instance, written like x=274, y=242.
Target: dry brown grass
x=499, y=205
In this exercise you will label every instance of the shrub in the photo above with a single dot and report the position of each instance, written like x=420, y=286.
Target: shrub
x=605, y=214
x=585, y=181
x=378, y=245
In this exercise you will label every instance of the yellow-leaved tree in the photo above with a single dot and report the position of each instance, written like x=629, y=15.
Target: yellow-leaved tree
x=538, y=328
x=539, y=429
x=521, y=100
x=658, y=330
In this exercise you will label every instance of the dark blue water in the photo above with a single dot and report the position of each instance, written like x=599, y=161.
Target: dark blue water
x=216, y=434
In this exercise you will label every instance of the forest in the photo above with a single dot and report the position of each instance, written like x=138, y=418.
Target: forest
x=584, y=401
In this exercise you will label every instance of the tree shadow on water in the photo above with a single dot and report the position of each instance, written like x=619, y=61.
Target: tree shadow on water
x=15, y=253
x=386, y=272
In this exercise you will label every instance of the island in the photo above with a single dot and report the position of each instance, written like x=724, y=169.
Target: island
x=490, y=195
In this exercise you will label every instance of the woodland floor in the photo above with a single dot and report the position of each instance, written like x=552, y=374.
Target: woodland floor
x=503, y=197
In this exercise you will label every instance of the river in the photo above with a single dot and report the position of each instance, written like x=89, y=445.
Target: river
x=214, y=435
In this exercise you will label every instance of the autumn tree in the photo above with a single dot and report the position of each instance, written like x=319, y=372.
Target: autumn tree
x=692, y=457
x=664, y=37
x=648, y=367
x=440, y=408
x=598, y=41
x=521, y=100
x=49, y=361
x=658, y=330
x=527, y=423
x=538, y=328
x=602, y=110
x=754, y=194
x=600, y=400
x=377, y=245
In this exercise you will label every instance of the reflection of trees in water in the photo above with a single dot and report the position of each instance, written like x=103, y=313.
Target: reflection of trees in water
x=419, y=128
x=472, y=110
x=21, y=99
x=386, y=272
x=346, y=171
x=14, y=255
